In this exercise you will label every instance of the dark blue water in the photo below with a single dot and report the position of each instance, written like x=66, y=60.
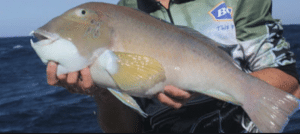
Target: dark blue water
x=28, y=104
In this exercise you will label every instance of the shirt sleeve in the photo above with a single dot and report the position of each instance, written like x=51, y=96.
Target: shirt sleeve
x=260, y=36
x=128, y=3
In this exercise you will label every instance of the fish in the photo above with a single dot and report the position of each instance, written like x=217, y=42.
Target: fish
x=134, y=54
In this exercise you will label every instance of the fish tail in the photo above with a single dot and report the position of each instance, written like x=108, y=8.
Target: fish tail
x=271, y=113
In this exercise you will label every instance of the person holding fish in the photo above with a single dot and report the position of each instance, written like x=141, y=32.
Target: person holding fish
x=247, y=32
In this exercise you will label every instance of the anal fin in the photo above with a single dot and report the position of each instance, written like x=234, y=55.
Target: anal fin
x=128, y=101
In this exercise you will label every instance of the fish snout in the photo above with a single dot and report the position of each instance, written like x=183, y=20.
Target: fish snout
x=51, y=47
x=43, y=37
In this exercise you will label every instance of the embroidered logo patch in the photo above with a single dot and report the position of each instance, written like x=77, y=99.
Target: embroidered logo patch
x=221, y=12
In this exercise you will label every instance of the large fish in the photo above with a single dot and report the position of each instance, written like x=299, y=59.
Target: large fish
x=134, y=54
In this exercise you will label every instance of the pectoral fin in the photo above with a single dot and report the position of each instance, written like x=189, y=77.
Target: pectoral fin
x=128, y=100
x=136, y=72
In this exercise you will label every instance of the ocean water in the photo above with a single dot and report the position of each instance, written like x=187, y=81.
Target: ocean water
x=28, y=104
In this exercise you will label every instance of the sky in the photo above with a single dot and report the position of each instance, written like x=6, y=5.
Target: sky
x=20, y=17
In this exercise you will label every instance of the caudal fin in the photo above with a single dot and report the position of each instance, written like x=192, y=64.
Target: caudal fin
x=272, y=112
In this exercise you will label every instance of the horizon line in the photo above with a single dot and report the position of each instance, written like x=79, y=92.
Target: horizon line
x=16, y=36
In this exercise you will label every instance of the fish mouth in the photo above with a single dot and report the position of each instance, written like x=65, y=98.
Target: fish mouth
x=43, y=37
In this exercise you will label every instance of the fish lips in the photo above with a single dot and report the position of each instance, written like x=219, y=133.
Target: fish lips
x=44, y=37
x=51, y=47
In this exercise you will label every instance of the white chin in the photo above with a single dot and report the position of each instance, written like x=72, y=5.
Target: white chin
x=61, y=51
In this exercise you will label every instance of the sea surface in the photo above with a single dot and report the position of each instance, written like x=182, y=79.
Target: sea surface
x=28, y=104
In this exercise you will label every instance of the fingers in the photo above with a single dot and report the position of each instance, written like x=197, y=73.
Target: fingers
x=51, y=73
x=176, y=93
x=72, y=78
x=62, y=77
x=71, y=81
x=168, y=101
x=86, y=81
x=74, y=83
x=174, y=97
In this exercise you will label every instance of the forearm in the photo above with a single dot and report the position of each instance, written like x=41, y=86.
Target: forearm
x=113, y=116
x=279, y=79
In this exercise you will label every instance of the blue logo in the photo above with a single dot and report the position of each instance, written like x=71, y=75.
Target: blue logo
x=221, y=12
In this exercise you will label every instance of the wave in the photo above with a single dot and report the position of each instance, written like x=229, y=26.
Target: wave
x=17, y=47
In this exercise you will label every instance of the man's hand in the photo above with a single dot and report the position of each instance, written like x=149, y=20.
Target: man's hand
x=113, y=116
x=71, y=81
x=174, y=97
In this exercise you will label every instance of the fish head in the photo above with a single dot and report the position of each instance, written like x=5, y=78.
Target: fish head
x=75, y=38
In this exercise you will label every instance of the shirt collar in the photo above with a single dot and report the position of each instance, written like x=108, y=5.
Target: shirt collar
x=149, y=6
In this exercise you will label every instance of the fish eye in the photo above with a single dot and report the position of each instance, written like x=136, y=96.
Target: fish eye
x=81, y=12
